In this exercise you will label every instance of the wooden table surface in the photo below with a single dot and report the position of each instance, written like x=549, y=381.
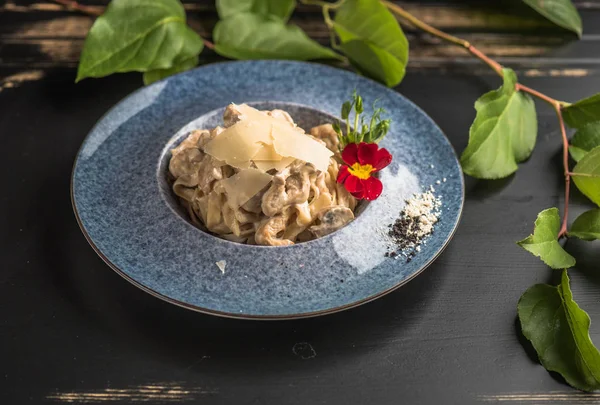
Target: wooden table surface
x=73, y=331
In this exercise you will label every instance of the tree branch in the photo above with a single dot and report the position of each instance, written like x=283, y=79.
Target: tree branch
x=565, y=140
x=399, y=11
x=556, y=104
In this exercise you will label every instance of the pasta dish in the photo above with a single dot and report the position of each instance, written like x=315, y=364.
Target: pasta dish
x=260, y=179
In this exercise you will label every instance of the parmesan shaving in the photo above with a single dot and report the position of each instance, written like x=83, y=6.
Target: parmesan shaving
x=267, y=152
x=221, y=265
x=239, y=143
x=279, y=165
x=244, y=185
x=260, y=137
x=288, y=142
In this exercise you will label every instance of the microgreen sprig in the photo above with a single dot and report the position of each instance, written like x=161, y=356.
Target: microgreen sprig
x=361, y=132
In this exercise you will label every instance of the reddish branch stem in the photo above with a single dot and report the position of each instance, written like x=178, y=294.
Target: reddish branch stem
x=399, y=11
x=565, y=140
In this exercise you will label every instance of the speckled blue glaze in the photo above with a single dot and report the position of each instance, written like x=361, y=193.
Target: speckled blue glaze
x=127, y=212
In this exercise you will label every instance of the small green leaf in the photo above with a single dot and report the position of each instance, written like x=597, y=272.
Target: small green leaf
x=380, y=130
x=359, y=105
x=587, y=225
x=577, y=153
x=337, y=128
x=561, y=12
x=156, y=75
x=281, y=9
x=584, y=140
x=251, y=36
x=138, y=35
x=346, y=108
x=544, y=244
x=372, y=39
x=503, y=133
x=583, y=112
x=559, y=331
x=586, y=175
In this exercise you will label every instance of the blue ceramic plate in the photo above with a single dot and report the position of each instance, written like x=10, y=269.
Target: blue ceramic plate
x=126, y=210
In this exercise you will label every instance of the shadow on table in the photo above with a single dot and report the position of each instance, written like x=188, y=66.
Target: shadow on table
x=99, y=298
x=187, y=338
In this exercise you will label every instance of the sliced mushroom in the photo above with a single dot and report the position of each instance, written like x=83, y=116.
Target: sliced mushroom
x=231, y=115
x=275, y=198
x=191, y=141
x=208, y=172
x=185, y=162
x=331, y=219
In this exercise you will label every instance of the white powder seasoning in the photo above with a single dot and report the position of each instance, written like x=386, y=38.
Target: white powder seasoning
x=365, y=250
x=415, y=223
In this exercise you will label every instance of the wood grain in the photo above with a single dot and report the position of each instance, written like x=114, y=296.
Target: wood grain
x=72, y=331
x=44, y=35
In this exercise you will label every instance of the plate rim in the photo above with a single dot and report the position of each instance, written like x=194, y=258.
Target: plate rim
x=231, y=315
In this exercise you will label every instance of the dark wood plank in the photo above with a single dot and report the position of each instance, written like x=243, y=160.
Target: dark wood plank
x=79, y=332
x=43, y=35
x=72, y=331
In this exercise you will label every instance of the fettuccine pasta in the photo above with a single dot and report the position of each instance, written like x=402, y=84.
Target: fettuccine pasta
x=271, y=197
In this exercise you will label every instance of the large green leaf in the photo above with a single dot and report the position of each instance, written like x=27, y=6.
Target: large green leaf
x=252, y=36
x=561, y=12
x=576, y=153
x=382, y=66
x=372, y=39
x=586, y=175
x=584, y=140
x=503, y=133
x=559, y=332
x=281, y=9
x=587, y=225
x=138, y=35
x=544, y=241
x=583, y=112
x=155, y=75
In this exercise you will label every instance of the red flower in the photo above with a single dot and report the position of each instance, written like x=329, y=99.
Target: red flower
x=362, y=160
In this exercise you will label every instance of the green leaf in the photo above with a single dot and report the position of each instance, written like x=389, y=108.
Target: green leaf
x=372, y=39
x=156, y=75
x=346, y=108
x=587, y=225
x=503, y=133
x=561, y=12
x=281, y=9
x=583, y=112
x=544, y=241
x=586, y=175
x=251, y=36
x=374, y=62
x=576, y=153
x=559, y=332
x=584, y=140
x=138, y=35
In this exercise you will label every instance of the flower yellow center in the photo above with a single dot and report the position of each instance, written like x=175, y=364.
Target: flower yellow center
x=363, y=172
